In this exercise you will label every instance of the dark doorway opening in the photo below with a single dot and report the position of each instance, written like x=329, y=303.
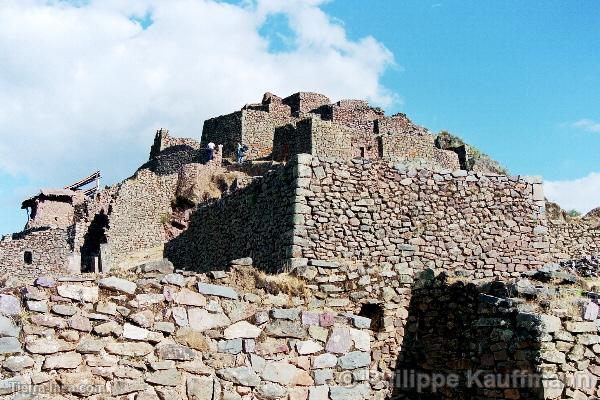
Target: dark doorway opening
x=375, y=313
x=91, y=260
x=380, y=147
x=28, y=257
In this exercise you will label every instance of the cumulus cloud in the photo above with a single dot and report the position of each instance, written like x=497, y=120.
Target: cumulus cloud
x=587, y=125
x=83, y=85
x=579, y=194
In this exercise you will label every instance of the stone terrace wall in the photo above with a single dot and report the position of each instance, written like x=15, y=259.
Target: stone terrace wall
x=574, y=239
x=171, y=336
x=255, y=221
x=457, y=221
x=50, y=249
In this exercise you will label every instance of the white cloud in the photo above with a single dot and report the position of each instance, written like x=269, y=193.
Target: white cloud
x=84, y=87
x=587, y=125
x=580, y=194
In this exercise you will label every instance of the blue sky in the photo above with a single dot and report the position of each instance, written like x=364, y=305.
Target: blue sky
x=83, y=88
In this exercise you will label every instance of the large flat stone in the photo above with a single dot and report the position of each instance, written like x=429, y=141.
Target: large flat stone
x=339, y=341
x=188, y=298
x=9, y=305
x=131, y=349
x=242, y=329
x=175, y=352
x=240, y=375
x=169, y=377
x=63, y=361
x=118, y=285
x=217, y=290
x=88, y=294
x=201, y=320
x=8, y=327
x=200, y=387
x=10, y=345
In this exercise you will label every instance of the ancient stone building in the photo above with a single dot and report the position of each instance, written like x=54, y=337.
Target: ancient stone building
x=317, y=270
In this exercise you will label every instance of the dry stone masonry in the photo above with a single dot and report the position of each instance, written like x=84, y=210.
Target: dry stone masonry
x=351, y=254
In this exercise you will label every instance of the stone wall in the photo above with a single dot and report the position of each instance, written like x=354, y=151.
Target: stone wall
x=50, y=253
x=459, y=221
x=573, y=238
x=418, y=151
x=302, y=103
x=137, y=213
x=163, y=141
x=496, y=347
x=225, y=130
x=163, y=335
x=255, y=221
x=258, y=131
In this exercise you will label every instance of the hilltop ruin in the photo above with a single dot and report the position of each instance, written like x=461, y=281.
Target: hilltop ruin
x=370, y=213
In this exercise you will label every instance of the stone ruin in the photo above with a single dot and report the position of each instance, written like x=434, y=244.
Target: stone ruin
x=350, y=255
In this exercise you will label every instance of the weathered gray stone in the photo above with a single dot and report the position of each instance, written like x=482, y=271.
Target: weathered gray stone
x=355, y=392
x=63, y=361
x=37, y=306
x=217, y=290
x=269, y=390
x=326, y=360
x=118, y=285
x=120, y=387
x=284, y=328
x=131, y=349
x=354, y=359
x=233, y=346
x=169, y=377
x=201, y=320
x=174, y=279
x=90, y=346
x=163, y=266
x=9, y=305
x=18, y=363
x=88, y=294
x=240, y=375
x=175, y=352
x=292, y=314
x=8, y=327
x=64, y=310
x=200, y=387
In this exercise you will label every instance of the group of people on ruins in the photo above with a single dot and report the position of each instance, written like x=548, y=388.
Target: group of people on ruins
x=240, y=153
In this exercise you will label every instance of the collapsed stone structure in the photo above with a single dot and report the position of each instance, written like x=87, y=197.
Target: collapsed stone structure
x=358, y=205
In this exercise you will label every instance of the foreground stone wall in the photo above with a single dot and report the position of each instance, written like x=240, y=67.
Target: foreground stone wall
x=463, y=222
x=50, y=250
x=496, y=347
x=172, y=336
x=255, y=221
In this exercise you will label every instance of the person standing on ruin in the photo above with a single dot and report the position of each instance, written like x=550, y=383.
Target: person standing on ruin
x=211, y=151
x=241, y=152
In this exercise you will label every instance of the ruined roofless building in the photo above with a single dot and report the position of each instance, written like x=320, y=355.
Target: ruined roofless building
x=260, y=198
x=313, y=261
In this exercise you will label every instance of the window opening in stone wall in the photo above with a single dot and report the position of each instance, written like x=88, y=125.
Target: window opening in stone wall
x=380, y=147
x=362, y=152
x=375, y=313
x=28, y=257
